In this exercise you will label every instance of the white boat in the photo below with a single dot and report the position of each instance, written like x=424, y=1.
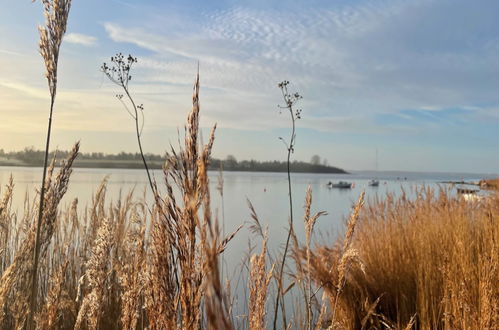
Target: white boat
x=340, y=184
x=469, y=194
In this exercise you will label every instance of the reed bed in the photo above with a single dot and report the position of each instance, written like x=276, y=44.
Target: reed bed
x=430, y=262
x=492, y=184
x=427, y=263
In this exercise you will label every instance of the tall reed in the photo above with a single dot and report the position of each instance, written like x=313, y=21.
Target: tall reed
x=259, y=286
x=56, y=18
x=184, y=239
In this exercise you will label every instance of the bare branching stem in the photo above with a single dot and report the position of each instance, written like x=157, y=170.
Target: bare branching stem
x=289, y=101
x=119, y=73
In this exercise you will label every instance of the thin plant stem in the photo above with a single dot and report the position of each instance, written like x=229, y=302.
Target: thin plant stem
x=290, y=100
x=36, y=254
x=138, y=133
x=119, y=73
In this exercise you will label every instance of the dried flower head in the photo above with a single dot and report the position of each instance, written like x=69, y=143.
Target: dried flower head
x=56, y=18
x=119, y=71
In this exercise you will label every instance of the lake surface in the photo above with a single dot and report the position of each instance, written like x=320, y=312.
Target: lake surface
x=267, y=191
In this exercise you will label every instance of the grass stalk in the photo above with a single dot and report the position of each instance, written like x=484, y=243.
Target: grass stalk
x=56, y=14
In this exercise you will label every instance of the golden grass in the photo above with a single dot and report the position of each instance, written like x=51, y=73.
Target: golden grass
x=258, y=288
x=101, y=266
x=51, y=35
x=16, y=278
x=432, y=262
x=492, y=184
x=426, y=263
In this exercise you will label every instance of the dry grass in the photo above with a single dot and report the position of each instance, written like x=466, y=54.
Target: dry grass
x=56, y=18
x=435, y=258
x=258, y=288
x=16, y=278
x=103, y=265
x=428, y=263
x=492, y=184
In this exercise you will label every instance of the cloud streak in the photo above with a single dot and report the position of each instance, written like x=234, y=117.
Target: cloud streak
x=80, y=39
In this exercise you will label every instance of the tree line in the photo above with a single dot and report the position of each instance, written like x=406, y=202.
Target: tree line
x=29, y=156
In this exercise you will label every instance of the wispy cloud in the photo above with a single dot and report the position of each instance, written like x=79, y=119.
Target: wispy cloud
x=368, y=53
x=125, y=3
x=80, y=39
x=24, y=89
x=10, y=52
x=344, y=60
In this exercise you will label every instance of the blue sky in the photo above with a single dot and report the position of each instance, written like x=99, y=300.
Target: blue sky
x=417, y=80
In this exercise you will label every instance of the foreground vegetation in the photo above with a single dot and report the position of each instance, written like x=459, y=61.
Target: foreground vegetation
x=491, y=184
x=428, y=263
x=431, y=263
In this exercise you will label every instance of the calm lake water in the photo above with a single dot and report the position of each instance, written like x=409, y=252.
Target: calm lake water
x=267, y=191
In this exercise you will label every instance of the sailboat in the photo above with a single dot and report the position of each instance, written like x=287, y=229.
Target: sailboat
x=375, y=182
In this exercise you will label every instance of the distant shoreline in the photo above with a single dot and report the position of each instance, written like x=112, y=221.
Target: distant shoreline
x=296, y=167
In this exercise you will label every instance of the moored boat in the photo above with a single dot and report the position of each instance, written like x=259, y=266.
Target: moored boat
x=340, y=184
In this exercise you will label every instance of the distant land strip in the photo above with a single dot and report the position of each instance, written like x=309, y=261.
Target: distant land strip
x=34, y=158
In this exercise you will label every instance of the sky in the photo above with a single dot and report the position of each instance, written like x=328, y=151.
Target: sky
x=417, y=80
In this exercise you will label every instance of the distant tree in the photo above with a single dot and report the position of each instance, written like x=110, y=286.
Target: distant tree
x=230, y=162
x=315, y=160
x=31, y=155
x=325, y=162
